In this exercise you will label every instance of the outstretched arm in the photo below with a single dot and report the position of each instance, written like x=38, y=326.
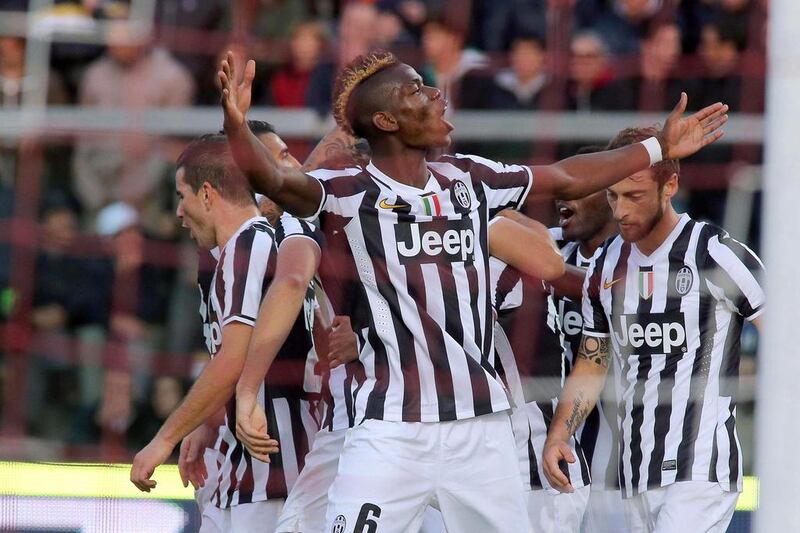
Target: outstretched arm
x=581, y=175
x=290, y=188
x=580, y=394
x=526, y=245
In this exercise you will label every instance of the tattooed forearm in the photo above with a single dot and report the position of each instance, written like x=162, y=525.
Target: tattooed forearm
x=338, y=149
x=580, y=410
x=594, y=349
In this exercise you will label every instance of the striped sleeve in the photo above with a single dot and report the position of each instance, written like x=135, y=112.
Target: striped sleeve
x=289, y=227
x=336, y=186
x=505, y=186
x=595, y=320
x=734, y=276
x=243, y=272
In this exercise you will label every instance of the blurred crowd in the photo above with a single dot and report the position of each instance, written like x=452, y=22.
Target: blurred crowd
x=112, y=301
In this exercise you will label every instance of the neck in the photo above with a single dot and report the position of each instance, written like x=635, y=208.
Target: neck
x=660, y=232
x=403, y=164
x=590, y=246
x=230, y=220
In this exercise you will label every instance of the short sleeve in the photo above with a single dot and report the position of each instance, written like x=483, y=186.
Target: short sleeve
x=289, y=227
x=595, y=320
x=241, y=276
x=734, y=276
x=339, y=187
x=504, y=186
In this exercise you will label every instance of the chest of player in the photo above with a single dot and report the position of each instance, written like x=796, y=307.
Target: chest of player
x=445, y=226
x=656, y=309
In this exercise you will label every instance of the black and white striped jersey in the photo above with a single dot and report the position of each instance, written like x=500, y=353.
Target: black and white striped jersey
x=674, y=319
x=421, y=258
x=245, y=268
x=530, y=358
x=598, y=435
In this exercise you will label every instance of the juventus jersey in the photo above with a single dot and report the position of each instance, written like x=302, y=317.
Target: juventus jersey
x=422, y=285
x=528, y=343
x=598, y=435
x=245, y=268
x=674, y=319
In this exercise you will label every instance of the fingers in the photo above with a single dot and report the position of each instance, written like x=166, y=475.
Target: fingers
x=708, y=112
x=714, y=137
x=140, y=477
x=680, y=107
x=715, y=125
x=555, y=466
x=249, y=73
x=340, y=320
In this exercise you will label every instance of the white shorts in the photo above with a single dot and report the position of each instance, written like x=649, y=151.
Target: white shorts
x=242, y=518
x=304, y=510
x=555, y=512
x=605, y=512
x=696, y=506
x=389, y=472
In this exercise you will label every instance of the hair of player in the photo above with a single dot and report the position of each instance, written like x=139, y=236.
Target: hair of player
x=208, y=159
x=663, y=170
x=354, y=74
x=590, y=149
x=258, y=127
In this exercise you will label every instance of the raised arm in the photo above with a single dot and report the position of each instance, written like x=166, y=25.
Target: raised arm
x=581, y=175
x=292, y=189
x=580, y=394
x=526, y=245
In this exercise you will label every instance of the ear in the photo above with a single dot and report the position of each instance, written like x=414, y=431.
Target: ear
x=671, y=186
x=385, y=121
x=206, y=194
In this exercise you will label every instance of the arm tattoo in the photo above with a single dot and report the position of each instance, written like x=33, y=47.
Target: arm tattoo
x=580, y=410
x=594, y=349
x=338, y=149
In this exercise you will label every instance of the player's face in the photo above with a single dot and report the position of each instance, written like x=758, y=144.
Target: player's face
x=419, y=111
x=583, y=219
x=638, y=205
x=279, y=150
x=192, y=213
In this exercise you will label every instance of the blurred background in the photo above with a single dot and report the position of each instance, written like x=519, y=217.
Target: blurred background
x=99, y=331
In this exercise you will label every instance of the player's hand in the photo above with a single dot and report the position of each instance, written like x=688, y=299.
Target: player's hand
x=191, y=463
x=251, y=428
x=555, y=456
x=146, y=461
x=342, y=343
x=236, y=94
x=683, y=136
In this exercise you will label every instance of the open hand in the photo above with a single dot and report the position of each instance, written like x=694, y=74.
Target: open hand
x=683, y=136
x=251, y=428
x=236, y=94
x=191, y=461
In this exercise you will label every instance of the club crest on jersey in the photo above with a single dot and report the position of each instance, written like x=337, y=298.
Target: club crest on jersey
x=339, y=524
x=647, y=282
x=683, y=280
x=461, y=196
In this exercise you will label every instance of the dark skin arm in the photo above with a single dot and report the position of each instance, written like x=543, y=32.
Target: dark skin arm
x=570, y=285
x=581, y=175
x=292, y=189
x=580, y=394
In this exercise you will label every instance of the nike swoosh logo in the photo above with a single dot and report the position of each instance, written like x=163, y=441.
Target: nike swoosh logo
x=608, y=284
x=386, y=205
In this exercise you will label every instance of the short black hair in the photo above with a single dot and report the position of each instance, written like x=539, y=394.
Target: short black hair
x=258, y=127
x=590, y=149
x=208, y=159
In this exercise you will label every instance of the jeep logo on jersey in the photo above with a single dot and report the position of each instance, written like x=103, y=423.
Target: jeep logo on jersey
x=683, y=280
x=461, y=195
x=448, y=241
x=662, y=333
x=571, y=319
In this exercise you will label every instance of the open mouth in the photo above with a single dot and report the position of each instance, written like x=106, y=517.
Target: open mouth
x=565, y=215
x=447, y=123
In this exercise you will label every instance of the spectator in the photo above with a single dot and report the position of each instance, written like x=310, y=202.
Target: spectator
x=721, y=45
x=289, y=84
x=276, y=18
x=502, y=22
x=525, y=84
x=391, y=31
x=447, y=62
x=624, y=22
x=357, y=35
x=134, y=76
x=165, y=394
x=593, y=86
x=13, y=80
x=658, y=86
